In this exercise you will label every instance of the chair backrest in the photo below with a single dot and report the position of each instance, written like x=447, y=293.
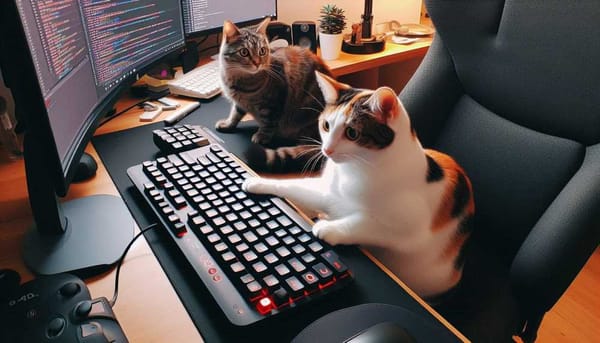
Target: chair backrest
x=515, y=97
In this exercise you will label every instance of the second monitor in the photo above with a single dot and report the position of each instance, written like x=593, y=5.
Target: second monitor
x=203, y=17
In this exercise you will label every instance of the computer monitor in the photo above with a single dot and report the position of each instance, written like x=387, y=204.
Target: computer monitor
x=202, y=17
x=66, y=63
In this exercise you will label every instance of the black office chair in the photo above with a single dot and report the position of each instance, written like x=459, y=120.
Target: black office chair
x=511, y=89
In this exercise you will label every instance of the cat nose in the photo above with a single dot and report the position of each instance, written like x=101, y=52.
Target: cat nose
x=328, y=151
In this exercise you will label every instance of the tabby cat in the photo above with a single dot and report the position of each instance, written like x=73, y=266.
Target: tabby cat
x=278, y=88
x=410, y=207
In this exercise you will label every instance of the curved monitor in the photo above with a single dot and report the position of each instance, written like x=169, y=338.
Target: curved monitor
x=66, y=64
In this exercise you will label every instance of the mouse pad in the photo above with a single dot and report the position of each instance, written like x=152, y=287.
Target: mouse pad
x=123, y=149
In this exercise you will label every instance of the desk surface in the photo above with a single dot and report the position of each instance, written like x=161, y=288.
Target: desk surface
x=148, y=307
x=393, y=53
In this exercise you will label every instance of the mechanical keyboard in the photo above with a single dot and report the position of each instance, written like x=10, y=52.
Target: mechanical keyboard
x=255, y=254
x=203, y=82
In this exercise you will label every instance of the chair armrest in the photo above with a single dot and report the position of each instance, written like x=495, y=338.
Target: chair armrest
x=432, y=92
x=562, y=240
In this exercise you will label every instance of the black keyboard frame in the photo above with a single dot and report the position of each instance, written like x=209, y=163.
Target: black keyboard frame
x=233, y=304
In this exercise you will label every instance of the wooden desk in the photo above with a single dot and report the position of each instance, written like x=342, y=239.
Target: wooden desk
x=393, y=53
x=391, y=67
x=147, y=308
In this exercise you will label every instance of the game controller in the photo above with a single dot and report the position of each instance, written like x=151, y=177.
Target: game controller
x=58, y=308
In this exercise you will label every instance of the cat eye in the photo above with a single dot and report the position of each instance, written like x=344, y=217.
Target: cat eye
x=244, y=52
x=262, y=51
x=325, y=126
x=351, y=133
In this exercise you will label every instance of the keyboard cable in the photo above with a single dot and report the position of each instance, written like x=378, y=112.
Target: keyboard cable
x=122, y=258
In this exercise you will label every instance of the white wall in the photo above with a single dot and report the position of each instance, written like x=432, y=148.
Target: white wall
x=404, y=11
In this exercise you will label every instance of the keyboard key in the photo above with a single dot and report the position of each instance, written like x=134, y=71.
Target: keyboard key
x=310, y=279
x=247, y=278
x=283, y=251
x=295, y=286
x=280, y=296
x=315, y=246
x=323, y=271
x=237, y=267
x=282, y=269
x=271, y=281
x=334, y=261
x=296, y=264
x=259, y=267
x=270, y=258
x=265, y=305
x=254, y=289
x=250, y=256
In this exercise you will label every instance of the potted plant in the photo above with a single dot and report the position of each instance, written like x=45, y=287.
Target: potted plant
x=331, y=24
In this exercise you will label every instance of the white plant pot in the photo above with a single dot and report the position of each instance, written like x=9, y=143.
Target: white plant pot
x=331, y=45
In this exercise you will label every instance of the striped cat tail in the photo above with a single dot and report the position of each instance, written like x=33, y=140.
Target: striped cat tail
x=301, y=158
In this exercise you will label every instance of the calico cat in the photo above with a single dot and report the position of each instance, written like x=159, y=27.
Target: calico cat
x=278, y=88
x=410, y=207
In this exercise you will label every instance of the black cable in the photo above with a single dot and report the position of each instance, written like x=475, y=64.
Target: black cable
x=208, y=48
x=215, y=46
x=122, y=258
x=107, y=119
x=201, y=40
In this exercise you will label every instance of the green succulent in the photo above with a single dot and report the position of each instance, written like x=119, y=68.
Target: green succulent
x=332, y=20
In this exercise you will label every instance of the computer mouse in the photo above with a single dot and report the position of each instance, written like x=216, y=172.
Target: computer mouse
x=386, y=332
x=375, y=322
x=86, y=169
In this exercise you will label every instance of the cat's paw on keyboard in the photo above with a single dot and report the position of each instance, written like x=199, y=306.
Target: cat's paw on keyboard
x=254, y=185
x=331, y=232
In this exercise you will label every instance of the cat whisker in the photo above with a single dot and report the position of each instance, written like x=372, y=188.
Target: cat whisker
x=310, y=140
x=315, y=98
x=304, y=152
x=310, y=108
x=305, y=167
x=320, y=158
x=311, y=163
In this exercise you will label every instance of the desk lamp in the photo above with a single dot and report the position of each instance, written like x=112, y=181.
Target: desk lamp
x=366, y=43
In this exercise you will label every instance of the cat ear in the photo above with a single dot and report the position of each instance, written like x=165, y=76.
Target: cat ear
x=230, y=31
x=262, y=27
x=384, y=104
x=329, y=87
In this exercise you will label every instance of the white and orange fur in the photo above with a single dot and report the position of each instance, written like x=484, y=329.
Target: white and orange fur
x=382, y=199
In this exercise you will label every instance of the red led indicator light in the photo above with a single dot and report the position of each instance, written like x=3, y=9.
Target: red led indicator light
x=265, y=305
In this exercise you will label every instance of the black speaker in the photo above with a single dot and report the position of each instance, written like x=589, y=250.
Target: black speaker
x=304, y=33
x=278, y=30
x=190, y=57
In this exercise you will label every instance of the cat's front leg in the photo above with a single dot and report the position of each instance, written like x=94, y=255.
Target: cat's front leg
x=266, y=132
x=302, y=192
x=339, y=231
x=263, y=136
x=230, y=123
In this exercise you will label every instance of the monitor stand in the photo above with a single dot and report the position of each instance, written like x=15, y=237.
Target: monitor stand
x=84, y=236
x=97, y=231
